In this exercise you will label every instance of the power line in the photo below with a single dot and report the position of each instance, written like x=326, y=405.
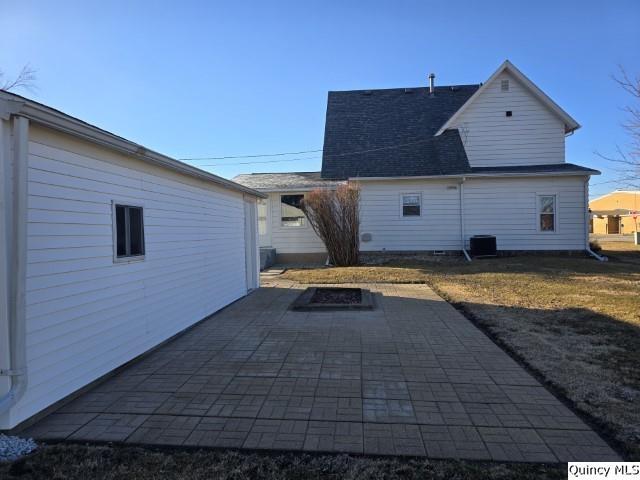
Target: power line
x=357, y=152
x=259, y=161
x=280, y=154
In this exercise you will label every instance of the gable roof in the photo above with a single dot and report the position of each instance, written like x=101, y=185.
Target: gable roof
x=569, y=123
x=12, y=104
x=391, y=132
x=280, y=182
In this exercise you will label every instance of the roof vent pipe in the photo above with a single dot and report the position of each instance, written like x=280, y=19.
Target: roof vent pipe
x=432, y=78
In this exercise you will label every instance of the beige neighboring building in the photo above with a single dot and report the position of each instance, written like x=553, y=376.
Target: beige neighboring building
x=613, y=213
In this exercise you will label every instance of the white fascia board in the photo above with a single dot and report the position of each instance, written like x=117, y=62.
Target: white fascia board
x=569, y=122
x=59, y=121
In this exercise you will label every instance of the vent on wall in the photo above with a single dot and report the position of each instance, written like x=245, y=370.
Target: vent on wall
x=504, y=85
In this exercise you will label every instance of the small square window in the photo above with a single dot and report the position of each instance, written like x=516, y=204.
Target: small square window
x=504, y=85
x=292, y=214
x=411, y=205
x=509, y=113
x=129, y=231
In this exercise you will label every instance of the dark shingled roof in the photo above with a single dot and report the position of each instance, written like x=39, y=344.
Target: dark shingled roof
x=284, y=181
x=393, y=131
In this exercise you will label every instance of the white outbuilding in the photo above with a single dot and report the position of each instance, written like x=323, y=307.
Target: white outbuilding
x=106, y=250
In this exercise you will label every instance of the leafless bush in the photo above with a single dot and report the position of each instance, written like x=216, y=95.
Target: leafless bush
x=334, y=216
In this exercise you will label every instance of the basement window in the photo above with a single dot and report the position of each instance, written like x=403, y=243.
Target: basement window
x=291, y=208
x=128, y=232
x=411, y=204
x=547, y=213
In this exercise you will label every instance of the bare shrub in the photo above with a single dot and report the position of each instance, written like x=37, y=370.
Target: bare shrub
x=334, y=216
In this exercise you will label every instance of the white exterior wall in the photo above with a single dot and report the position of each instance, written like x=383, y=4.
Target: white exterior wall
x=532, y=136
x=291, y=239
x=85, y=314
x=438, y=228
x=505, y=207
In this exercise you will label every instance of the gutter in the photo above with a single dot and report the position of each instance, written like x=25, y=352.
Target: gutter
x=16, y=277
x=464, y=251
x=569, y=173
x=62, y=122
x=587, y=247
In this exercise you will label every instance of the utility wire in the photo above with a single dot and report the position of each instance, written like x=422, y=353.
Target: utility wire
x=259, y=161
x=357, y=152
x=248, y=156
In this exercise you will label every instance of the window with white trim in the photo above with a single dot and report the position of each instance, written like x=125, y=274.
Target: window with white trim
x=547, y=213
x=129, y=231
x=262, y=216
x=411, y=204
x=291, y=210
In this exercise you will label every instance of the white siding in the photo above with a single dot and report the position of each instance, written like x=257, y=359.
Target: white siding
x=507, y=208
x=87, y=315
x=291, y=239
x=502, y=207
x=438, y=228
x=532, y=136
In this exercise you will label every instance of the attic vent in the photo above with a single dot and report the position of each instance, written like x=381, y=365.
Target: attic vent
x=504, y=85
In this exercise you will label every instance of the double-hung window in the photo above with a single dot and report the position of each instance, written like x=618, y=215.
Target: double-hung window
x=129, y=232
x=411, y=204
x=547, y=213
x=292, y=214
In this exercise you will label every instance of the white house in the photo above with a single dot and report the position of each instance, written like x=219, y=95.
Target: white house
x=106, y=250
x=438, y=165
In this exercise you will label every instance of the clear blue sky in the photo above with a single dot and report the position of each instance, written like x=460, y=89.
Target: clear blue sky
x=193, y=79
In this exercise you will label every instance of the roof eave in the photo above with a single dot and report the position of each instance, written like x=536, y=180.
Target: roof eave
x=569, y=173
x=51, y=118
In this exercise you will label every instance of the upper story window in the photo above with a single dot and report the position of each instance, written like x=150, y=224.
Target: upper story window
x=547, y=213
x=128, y=231
x=292, y=214
x=411, y=204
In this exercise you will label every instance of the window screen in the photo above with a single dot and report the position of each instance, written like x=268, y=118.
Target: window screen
x=411, y=205
x=547, y=209
x=129, y=227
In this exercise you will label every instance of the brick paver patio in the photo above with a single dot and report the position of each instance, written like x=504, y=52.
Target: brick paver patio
x=413, y=377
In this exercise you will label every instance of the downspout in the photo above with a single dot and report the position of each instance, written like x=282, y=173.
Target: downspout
x=464, y=251
x=587, y=247
x=16, y=280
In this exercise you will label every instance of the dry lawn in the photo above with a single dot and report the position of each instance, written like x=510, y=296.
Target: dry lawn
x=573, y=320
x=62, y=462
